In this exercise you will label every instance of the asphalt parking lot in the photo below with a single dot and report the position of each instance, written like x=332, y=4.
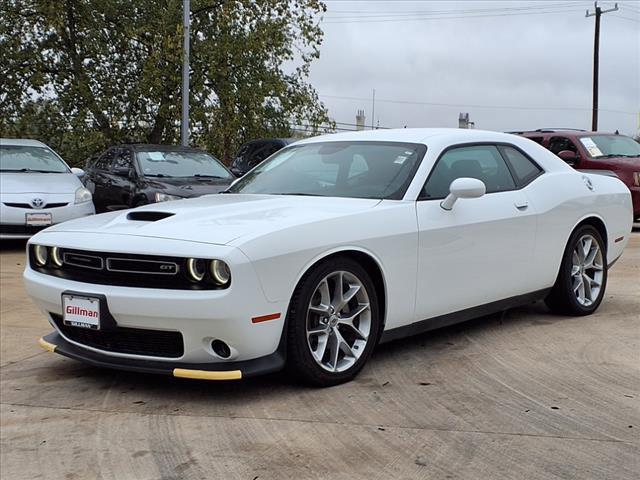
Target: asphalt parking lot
x=521, y=395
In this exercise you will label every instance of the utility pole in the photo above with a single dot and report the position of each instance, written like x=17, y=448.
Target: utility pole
x=596, y=60
x=184, y=128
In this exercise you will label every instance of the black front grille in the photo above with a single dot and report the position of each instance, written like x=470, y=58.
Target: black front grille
x=125, y=270
x=134, y=341
x=28, y=205
x=82, y=260
x=20, y=229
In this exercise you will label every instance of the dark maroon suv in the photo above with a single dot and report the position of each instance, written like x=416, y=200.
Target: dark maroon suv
x=596, y=151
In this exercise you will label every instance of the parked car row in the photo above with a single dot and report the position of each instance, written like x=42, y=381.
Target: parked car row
x=39, y=189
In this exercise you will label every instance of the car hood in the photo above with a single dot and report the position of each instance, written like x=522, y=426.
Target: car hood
x=11, y=182
x=187, y=187
x=218, y=219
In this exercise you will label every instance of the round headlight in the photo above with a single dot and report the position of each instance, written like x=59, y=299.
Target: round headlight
x=40, y=255
x=56, y=256
x=220, y=272
x=196, y=268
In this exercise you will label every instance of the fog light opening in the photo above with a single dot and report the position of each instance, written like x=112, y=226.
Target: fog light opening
x=221, y=349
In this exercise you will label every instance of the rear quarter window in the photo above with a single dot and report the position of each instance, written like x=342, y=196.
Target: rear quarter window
x=524, y=169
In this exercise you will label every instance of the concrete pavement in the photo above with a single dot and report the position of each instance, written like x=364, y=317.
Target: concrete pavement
x=520, y=395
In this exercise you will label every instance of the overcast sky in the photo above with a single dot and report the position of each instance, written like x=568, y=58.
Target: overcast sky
x=534, y=57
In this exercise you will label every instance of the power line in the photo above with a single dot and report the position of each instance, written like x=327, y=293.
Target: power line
x=636, y=20
x=469, y=105
x=423, y=18
x=624, y=6
x=396, y=13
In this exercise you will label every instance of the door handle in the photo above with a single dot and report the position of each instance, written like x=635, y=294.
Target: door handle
x=522, y=205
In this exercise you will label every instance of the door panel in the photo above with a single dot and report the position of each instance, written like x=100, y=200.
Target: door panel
x=474, y=254
x=122, y=187
x=98, y=175
x=477, y=252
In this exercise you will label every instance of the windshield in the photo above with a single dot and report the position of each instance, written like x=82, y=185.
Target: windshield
x=181, y=164
x=610, y=146
x=336, y=169
x=15, y=158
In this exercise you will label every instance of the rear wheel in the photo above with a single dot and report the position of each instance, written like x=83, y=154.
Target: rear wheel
x=333, y=323
x=582, y=279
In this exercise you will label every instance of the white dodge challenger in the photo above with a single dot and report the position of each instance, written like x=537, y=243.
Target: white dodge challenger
x=328, y=247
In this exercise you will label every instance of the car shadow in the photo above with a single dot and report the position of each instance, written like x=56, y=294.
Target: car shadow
x=443, y=340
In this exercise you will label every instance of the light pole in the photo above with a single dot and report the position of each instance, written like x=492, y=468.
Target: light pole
x=184, y=128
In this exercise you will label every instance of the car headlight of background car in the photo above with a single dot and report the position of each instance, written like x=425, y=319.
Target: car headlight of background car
x=83, y=195
x=164, y=197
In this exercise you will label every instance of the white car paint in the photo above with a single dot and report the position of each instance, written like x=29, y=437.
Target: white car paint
x=432, y=261
x=48, y=188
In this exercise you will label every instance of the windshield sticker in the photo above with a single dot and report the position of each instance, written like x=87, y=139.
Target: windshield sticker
x=155, y=156
x=591, y=147
x=400, y=159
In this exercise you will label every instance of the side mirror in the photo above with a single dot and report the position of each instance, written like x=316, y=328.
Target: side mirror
x=568, y=156
x=121, y=171
x=78, y=172
x=463, y=188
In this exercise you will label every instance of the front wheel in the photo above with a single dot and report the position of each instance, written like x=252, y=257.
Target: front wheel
x=333, y=323
x=582, y=279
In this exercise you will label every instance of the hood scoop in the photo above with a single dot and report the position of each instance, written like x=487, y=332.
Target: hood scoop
x=148, y=216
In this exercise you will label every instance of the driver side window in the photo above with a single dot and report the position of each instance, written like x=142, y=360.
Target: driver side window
x=558, y=144
x=483, y=162
x=122, y=160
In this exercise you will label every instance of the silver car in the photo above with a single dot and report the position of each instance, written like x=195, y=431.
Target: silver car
x=37, y=189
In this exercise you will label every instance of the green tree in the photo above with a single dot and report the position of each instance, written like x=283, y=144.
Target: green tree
x=83, y=74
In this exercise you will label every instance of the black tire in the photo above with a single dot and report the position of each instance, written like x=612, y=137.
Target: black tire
x=562, y=298
x=300, y=361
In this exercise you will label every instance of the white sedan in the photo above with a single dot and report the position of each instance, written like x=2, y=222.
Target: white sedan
x=330, y=246
x=37, y=189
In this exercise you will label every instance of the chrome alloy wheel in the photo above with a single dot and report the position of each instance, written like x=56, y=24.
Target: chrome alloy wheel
x=338, y=321
x=587, y=270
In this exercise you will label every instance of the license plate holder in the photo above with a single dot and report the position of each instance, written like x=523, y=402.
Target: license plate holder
x=40, y=219
x=81, y=311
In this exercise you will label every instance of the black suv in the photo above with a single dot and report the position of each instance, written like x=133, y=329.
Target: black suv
x=127, y=176
x=255, y=151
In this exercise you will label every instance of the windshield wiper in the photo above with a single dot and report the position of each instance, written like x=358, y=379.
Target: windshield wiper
x=159, y=175
x=27, y=170
x=202, y=175
x=302, y=194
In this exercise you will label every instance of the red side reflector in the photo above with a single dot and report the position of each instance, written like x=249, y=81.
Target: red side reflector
x=265, y=318
x=619, y=239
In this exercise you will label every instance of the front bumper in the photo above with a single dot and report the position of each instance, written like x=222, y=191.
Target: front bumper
x=13, y=218
x=240, y=315
x=274, y=362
